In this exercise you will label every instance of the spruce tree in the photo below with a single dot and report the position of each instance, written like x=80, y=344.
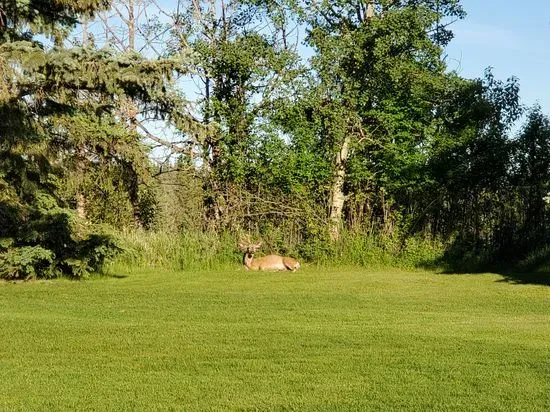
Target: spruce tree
x=58, y=117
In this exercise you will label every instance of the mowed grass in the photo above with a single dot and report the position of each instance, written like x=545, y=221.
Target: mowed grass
x=346, y=339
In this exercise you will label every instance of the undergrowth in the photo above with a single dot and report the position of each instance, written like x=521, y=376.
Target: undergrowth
x=215, y=250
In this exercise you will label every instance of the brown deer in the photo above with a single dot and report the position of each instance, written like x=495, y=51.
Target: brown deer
x=271, y=262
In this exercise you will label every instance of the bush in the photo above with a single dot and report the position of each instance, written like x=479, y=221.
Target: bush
x=28, y=262
x=50, y=241
x=537, y=260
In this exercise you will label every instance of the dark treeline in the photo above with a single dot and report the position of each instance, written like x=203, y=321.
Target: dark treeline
x=209, y=118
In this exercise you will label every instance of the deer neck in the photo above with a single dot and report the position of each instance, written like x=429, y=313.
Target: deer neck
x=247, y=260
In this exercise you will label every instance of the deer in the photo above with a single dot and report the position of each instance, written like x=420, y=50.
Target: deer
x=271, y=262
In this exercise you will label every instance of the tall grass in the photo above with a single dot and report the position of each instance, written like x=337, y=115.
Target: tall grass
x=195, y=250
x=179, y=251
x=379, y=251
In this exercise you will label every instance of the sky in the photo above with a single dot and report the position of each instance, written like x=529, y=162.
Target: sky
x=512, y=37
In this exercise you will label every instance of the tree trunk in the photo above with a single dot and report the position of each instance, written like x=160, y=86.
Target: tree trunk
x=131, y=26
x=337, y=197
x=370, y=10
x=131, y=180
x=80, y=169
x=81, y=205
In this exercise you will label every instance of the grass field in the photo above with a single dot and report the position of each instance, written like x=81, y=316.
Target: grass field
x=318, y=339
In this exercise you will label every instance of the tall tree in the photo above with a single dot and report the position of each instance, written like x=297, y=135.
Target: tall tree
x=470, y=163
x=34, y=235
x=243, y=58
x=120, y=29
x=380, y=64
x=532, y=177
x=59, y=104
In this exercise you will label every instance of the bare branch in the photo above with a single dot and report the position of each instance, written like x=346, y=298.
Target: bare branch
x=163, y=142
x=108, y=27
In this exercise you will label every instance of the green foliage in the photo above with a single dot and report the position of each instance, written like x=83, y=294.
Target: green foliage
x=27, y=262
x=373, y=250
x=531, y=161
x=64, y=143
x=20, y=18
x=381, y=79
x=422, y=159
x=97, y=249
x=178, y=200
x=193, y=250
x=47, y=241
x=241, y=70
x=535, y=267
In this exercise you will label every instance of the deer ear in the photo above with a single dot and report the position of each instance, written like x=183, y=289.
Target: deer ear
x=242, y=246
x=258, y=244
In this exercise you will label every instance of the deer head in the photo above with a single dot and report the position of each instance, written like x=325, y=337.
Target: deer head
x=249, y=248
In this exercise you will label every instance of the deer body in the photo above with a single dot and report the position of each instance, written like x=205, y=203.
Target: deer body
x=271, y=262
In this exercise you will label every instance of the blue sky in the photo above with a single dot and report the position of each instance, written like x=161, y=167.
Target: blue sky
x=513, y=37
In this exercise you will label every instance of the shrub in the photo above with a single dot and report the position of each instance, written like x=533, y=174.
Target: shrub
x=50, y=241
x=28, y=262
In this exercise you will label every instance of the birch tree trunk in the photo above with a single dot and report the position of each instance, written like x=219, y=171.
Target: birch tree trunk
x=81, y=205
x=337, y=196
x=80, y=196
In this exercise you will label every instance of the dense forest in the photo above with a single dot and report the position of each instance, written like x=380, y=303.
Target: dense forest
x=334, y=130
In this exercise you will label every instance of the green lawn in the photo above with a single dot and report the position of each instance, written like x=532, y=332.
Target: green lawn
x=312, y=340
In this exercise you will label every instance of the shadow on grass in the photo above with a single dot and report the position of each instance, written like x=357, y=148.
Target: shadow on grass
x=114, y=276
x=518, y=276
x=527, y=278
x=108, y=275
x=468, y=258
x=530, y=271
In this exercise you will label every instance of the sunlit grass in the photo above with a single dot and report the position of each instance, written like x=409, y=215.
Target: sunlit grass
x=310, y=340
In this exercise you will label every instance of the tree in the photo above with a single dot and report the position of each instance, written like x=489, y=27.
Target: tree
x=120, y=31
x=531, y=175
x=242, y=61
x=380, y=72
x=470, y=165
x=57, y=104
